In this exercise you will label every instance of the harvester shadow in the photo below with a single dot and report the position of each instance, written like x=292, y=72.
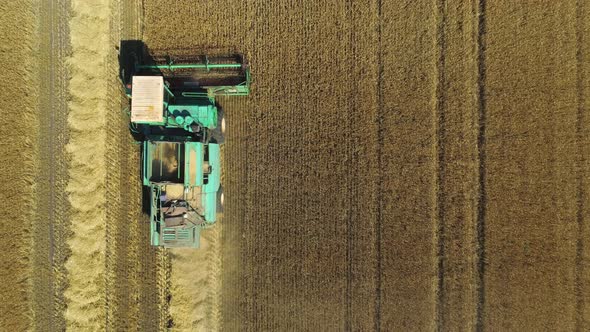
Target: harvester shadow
x=131, y=53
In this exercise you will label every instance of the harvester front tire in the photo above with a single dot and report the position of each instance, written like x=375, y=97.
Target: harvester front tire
x=220, y=199
x=218, y=134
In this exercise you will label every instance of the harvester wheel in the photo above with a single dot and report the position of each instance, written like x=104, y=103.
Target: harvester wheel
x=220, y=199
x=218, y=134
x=137, y=132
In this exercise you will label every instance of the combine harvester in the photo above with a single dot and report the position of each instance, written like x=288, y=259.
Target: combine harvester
x=175, y=117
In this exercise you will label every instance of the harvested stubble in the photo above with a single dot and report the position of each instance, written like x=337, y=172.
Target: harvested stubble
x=51, y=224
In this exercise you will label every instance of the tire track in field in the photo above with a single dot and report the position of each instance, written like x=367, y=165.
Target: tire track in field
x=439, y=116
x=380, y=177
x=52, y=217
x=115, y=190
x=457, y=175
x=481, y=142
x=350, y=185
x=582, y=133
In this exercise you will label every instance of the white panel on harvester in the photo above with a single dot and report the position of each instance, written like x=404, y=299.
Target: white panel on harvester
x=147, y=99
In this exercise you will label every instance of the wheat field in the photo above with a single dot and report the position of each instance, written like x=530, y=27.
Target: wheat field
x=399, y=165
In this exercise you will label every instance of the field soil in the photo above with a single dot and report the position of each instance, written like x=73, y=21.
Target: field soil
x=398, y=165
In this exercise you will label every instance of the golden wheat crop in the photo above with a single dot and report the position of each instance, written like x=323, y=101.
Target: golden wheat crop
x=19, y=161
x=399, y=165
x=358, y=172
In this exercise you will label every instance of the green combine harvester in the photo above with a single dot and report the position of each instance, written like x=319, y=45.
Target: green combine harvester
x=175, y=117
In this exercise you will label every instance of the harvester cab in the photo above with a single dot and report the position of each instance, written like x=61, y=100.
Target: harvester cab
x=175, y=115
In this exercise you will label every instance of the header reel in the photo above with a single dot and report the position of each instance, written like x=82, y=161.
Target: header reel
x=186, y=74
